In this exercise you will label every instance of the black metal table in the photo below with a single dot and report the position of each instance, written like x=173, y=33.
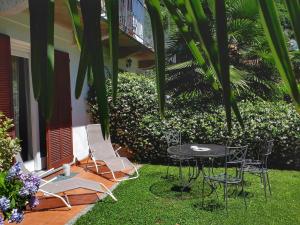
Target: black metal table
x=198, y=152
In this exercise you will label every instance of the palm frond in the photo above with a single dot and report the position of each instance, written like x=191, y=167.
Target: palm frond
x=272, y=27
x=75, y=20
x=180, y=66
x=154, y=11
x=92, y=40
x=42, y=53
x=294, y=12
x=112, y=8
x=222, y=42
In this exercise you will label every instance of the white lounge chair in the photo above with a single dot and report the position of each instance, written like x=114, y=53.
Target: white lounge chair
x=102, y=150
x=50, y=188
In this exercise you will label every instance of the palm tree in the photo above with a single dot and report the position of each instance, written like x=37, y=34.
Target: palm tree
x=209, y=47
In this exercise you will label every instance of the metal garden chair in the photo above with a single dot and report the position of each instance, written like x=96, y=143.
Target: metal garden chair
x=259, y=166
x=174, y=138
x=234, y=157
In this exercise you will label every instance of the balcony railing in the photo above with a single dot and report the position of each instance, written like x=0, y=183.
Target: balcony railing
x=134, y=20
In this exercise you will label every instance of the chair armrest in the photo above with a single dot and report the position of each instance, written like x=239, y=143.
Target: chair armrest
x=254, y=162
x=48, y=171
x=117, y=151
x=47, y=181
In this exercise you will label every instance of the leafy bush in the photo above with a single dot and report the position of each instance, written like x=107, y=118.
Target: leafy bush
x=135, y=123
x=16, y=190
x=8, y=146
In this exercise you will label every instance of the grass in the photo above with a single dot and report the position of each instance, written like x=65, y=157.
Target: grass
x=150, y=200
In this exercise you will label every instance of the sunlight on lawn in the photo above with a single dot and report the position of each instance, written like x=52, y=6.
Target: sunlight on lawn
x=152, y=199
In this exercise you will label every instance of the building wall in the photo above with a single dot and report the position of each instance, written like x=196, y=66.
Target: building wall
x=17, y=27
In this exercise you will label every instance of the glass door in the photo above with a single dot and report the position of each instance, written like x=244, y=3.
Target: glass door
x=21, y=103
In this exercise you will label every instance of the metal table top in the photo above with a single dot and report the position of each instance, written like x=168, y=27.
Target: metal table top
x=198, y=150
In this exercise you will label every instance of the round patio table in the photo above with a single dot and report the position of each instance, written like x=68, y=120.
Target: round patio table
x=198, y=152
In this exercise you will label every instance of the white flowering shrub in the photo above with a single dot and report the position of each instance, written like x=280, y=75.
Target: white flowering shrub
x=9, y=146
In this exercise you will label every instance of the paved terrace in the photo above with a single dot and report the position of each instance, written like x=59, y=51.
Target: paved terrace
x=52, y=211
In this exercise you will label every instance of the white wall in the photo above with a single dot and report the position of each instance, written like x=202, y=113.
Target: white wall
x=17, y=27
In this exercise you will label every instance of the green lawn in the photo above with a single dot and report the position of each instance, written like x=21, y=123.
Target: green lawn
x=150, y=200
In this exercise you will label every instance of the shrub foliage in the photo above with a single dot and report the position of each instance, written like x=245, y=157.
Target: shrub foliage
x=135, y=123
x=8, y=146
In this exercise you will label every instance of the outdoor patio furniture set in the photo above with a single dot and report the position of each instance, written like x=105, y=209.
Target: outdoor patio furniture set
x=100, y=150
x=200, y=159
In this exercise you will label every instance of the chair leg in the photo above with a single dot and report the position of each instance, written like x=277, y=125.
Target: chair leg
x=236, y=191
x=243, y=190
x=203, y=180
x=225, y=196
x=269, y=185
x=108, y=192
x=188, y=162
x=261, y=180
x=180, y=172
x=168, y=167
x=128, y=178
x=57, y=196
x=264, y=182
x=87, y=162
x=96, y=165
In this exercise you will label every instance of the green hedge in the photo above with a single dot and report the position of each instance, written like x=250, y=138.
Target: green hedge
x=135, y=123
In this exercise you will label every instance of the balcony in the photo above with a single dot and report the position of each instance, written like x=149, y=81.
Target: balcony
x=134, y=20
x=135, y=39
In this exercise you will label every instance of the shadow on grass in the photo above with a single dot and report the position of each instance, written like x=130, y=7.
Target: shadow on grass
x=210, y=205
x=173, y=189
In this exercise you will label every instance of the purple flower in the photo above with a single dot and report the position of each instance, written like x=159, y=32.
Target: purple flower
x=14, y=171
x=33, y=202
x=31, y=184
x=1, y=220
x=16, y=216
x=4, y=204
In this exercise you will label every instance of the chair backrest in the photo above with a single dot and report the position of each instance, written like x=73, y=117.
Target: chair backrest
x=173, y=137
x=236, y=154
x=102, y=149
x=267, y=149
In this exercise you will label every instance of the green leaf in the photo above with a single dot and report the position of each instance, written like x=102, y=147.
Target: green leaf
x=222, y=42
x=275, y=36
x=294, y=11
x=75, y=20
x=82, y=70
x=184, y=30
x=92, y=39
x=38, y=36
x=42, y=53
x=90, y=76
x=200, y=24
x=84, y=65
x=112, y=8
x=154, y=11
x=193, y=24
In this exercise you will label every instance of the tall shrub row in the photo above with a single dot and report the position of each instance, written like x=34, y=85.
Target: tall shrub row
x=135, y=123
